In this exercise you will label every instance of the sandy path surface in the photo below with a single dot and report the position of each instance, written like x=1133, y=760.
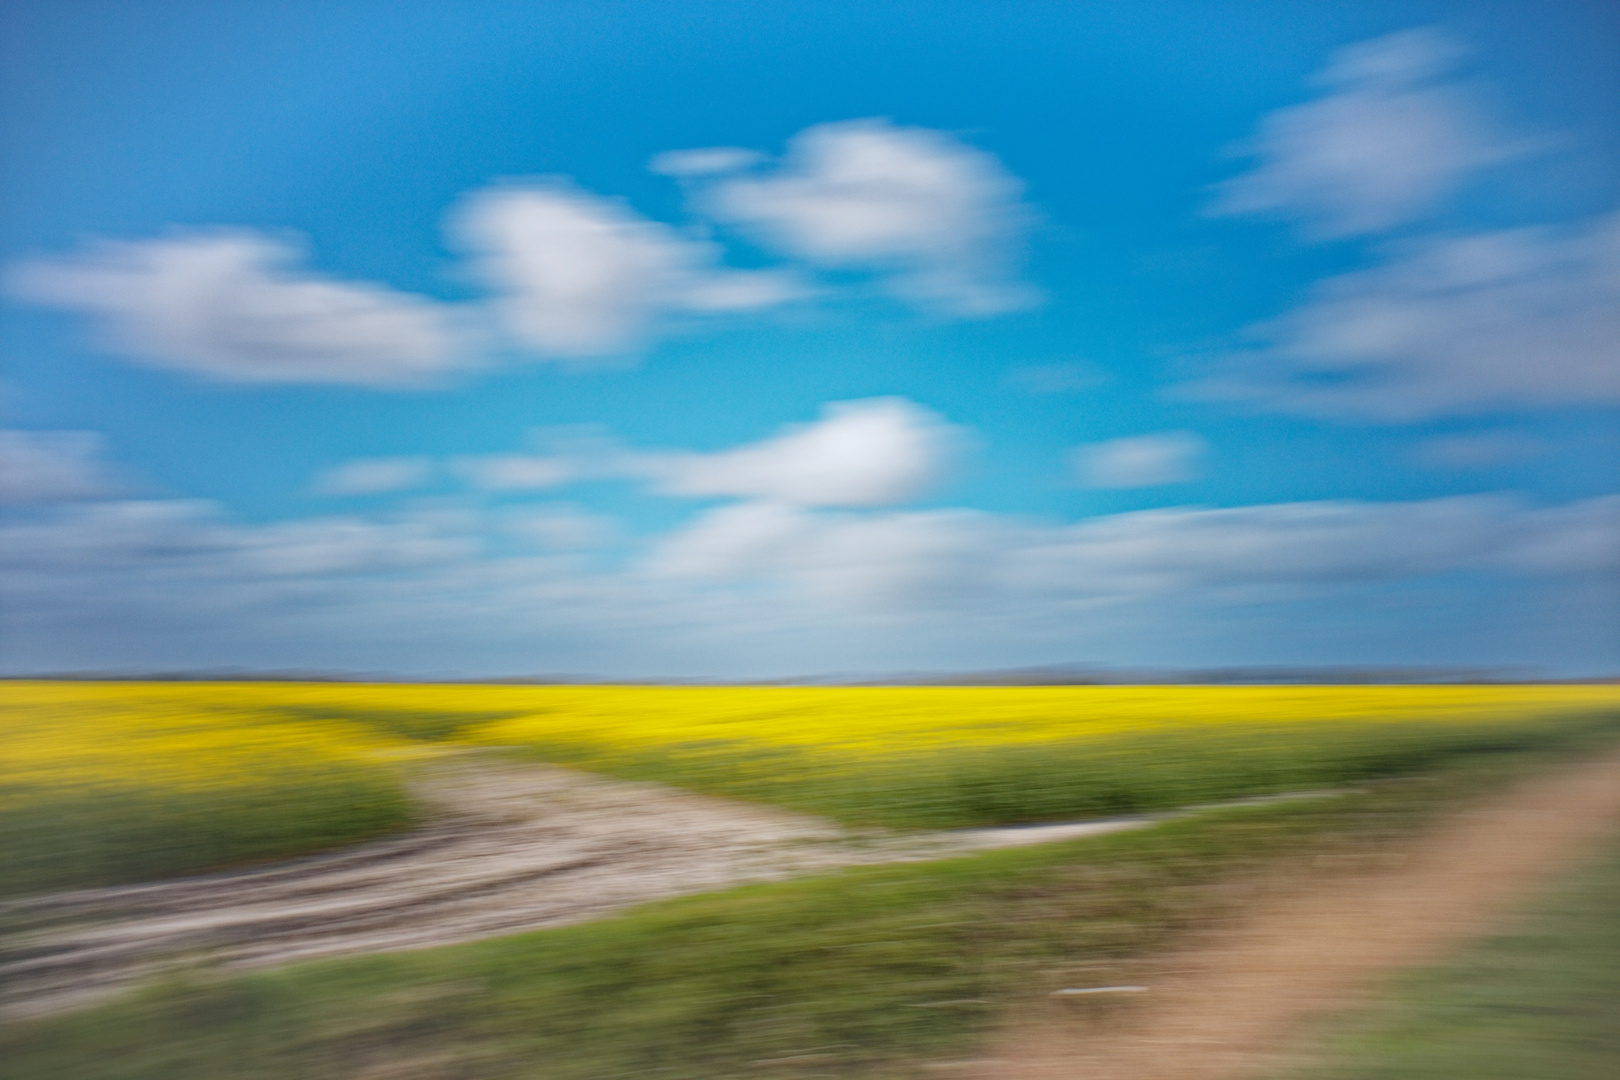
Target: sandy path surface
x=1227, y=1006
x=512, y=847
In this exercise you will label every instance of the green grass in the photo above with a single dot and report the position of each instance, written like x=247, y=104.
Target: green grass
x=868, y=973
x=1121, y=774
x=1539, y=1002
x=422, y=725
x=68, y=838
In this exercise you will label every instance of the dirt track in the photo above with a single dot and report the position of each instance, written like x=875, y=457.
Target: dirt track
x=513, y=847
x=1230, y=1006
x=523, y=847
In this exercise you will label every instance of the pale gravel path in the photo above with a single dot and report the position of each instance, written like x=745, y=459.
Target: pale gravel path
x=1232, y=1005
x=513, y=847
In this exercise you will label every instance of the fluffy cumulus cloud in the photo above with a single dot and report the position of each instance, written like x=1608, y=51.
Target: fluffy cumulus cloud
x=569, y=274
x=1388, y=141
x=52, y=466
x=874, y=452
x=1170, y=457
x=374, y=476
x=579, y=275
x=236, y=305
x=1514, y=319
x=943, y=222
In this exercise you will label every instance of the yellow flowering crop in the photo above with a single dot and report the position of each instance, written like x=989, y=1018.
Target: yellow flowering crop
x=167, y=736
x=950, y=756
x=873, y=721
x=108, y=782
x=144, y=778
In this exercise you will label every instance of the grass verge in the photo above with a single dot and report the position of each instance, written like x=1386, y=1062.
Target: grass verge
x=1541, y=1000
x=59, y=837
x=962, y=787
x=867, y=973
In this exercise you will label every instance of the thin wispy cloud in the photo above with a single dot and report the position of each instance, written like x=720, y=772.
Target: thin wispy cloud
x=375, y=476
x=187, y=567
x=1514, y=320
x=516, y=472
x=1478, y=449
x=53, y=466
x=1137, y=461
x=1391, y=138
x=707, y=161
x=560, y=527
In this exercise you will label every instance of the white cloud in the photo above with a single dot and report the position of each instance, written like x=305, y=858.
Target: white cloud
x=1386, y=144
x=193, y=539
x=374, y=476
x=578, y=275
x=704, y=162
x=561, y=527
x=860, y=453
x=573, y=274
x=1478, y=449
x=233, y=305
x=943, y=221
x=906, y=560
x=1511, y=320
x=1169, y=457
x=872, y=452
x=1577, y=538
x=51, y=466
x=1309, y=543
x=756, y=587
x=516, y=472
x=930, y=559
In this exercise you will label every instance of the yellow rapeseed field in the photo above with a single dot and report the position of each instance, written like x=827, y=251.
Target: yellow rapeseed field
x=132, y=779
x=360, y=719
x=169, y=736
x=882, y=721
x=102, y=783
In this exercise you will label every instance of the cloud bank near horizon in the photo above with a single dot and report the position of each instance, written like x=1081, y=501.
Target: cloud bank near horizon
x=820, y=568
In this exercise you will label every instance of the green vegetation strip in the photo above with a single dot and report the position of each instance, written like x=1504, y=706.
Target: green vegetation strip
x=964, y=787
x=1541, y=1001
x=60, y=837
x=867, y=973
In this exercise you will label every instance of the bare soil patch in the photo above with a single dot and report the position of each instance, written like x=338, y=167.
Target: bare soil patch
x=1231, y=1004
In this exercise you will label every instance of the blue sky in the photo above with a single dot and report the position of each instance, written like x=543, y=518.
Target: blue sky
x=743, y=339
